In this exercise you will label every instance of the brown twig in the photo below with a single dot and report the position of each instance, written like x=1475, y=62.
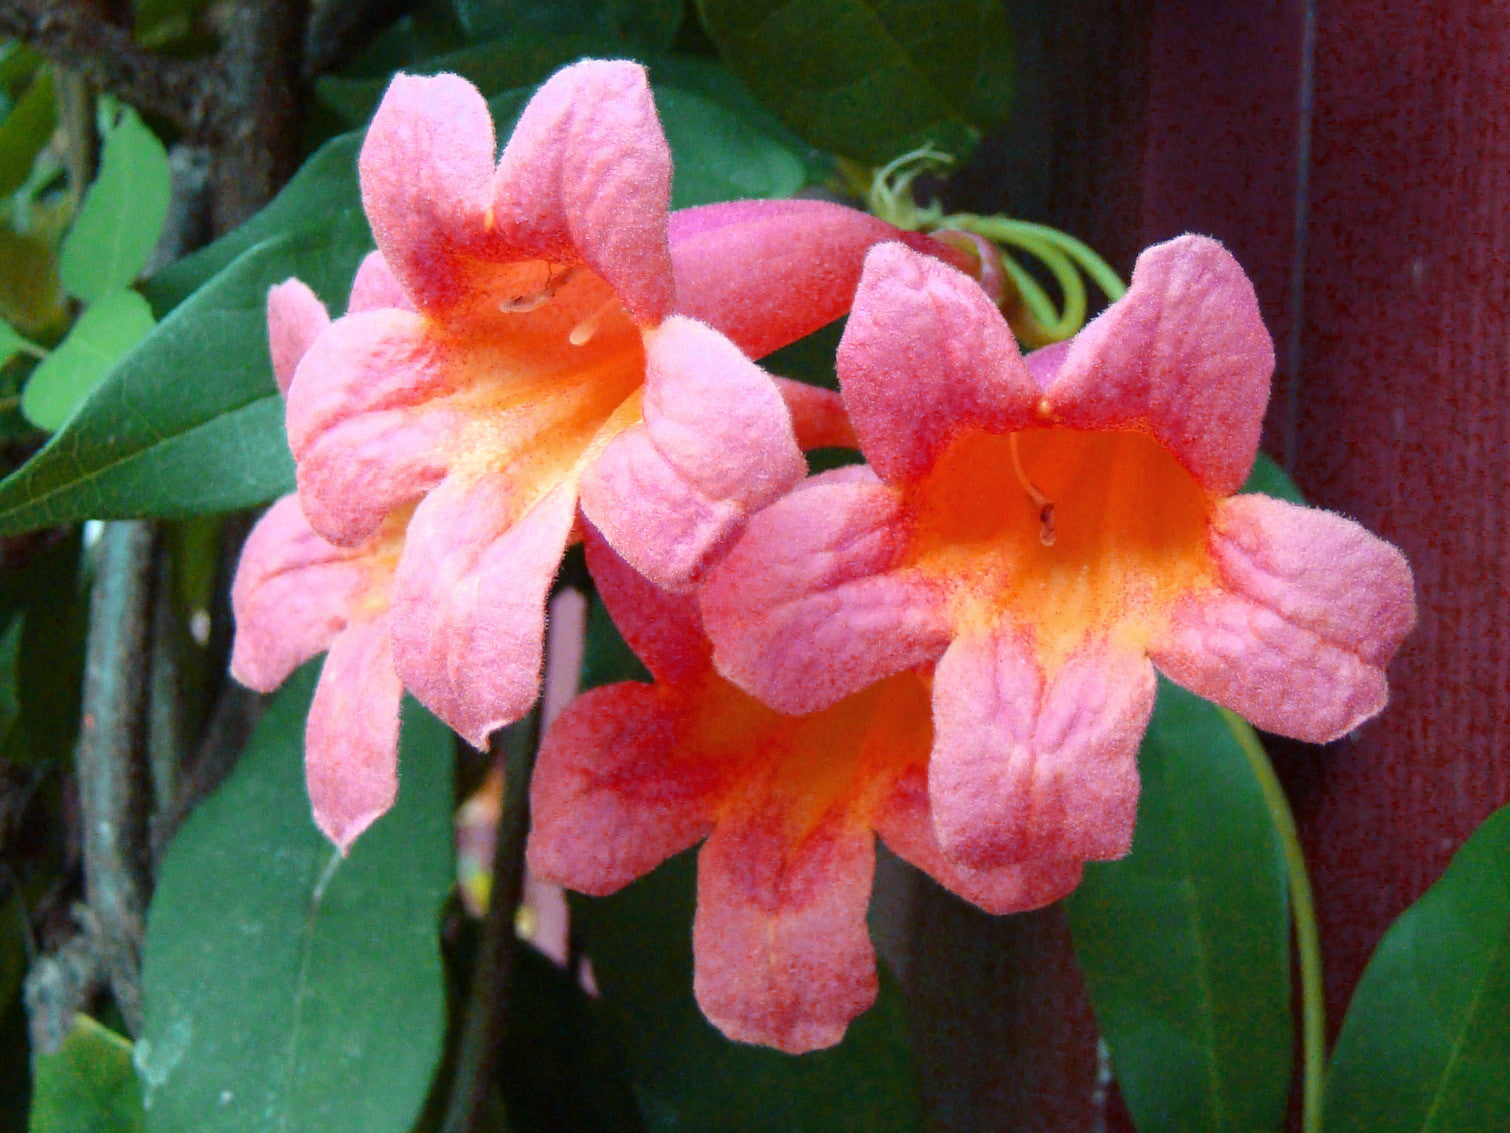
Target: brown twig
x=109, y=757
x=261, y=64
x=184, y=92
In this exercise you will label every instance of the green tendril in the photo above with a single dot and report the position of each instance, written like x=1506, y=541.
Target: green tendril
x=1303, y=910
x=889, y=196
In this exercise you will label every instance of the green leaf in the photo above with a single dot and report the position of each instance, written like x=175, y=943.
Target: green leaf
x=47, y=603
x=25, y=131
x=871, y=79
x=644, y=23
x=567, y=1070
x=122, y=214
x=88, y=1086
x=1426, y=1041
x=719, y=157
x=1272, y=480
x=1185, y=942
x=191, y=421
x=687, y=1075
x=322, y=194
x=104, y=334
x=12, y=342
x=285, y=988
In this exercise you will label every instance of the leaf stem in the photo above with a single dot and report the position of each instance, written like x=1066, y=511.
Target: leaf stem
x=1303, y=910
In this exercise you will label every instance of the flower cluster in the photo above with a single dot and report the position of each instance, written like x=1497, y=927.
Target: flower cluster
x=951, y=647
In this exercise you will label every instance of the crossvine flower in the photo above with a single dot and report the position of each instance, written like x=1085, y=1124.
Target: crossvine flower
x=1039, y=533
x=296, y=595
x=790, y=807
x=544, y=350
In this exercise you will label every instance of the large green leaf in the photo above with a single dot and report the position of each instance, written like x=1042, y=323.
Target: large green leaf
x=122, y=214
x=323, y=193
x=643, y=23
x=871, y=79
x=43, y=607
x=1185, y=942
x=687, y=1075
x=720, y=156
x=25, y=131
x=1272, y=480
x=566, y=1072
x=104, y=334
x=190, y=422
x=88, y=1085
x=12, y=342
x=1425, y=1046
x=285, y=988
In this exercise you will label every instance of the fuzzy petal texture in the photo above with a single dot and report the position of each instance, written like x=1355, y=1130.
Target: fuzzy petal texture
x=1183, y=355
x=1311, y=609
x=664, y=629
x=1026, y=768
x=807, y=609
x=376, y=287
x=365, y=422
x=351, y=738
x=612, y=797
x=799, y=263
x=904, y=822
x=716, y=445
x=586, y=177
x=295, y=318
x=291, y=596
x=924, y=356
x=783, y=956
x=819, y=419
x=426, y=169
x=469, y=601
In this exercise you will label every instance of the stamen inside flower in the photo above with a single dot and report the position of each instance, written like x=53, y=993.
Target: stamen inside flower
x=533, y=300
x=1078, y=529
x=582, y=333
x=1045, y=506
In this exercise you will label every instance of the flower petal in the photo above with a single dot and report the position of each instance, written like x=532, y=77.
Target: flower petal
x=376, y=287
x=614, y=794
x=425, y=167
x=798, y=265
x=925, y=355
x=664, y=629
x=351, y=738
x=782, y=953
x=1028, y=768
x=1184, y=355
x=365, y=423
x=904, y=822
x=818, y=416
x=806, y=608
x=469, y=600
x=1311, y=609
x=291, y=596
x=355, y=474
x=295, y=318
x=716, y=446
x=587, y=175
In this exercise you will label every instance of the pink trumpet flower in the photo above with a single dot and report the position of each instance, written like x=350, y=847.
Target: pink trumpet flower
x=1042, y=532
x=296, y=595
x=544, y=350
x=631, y=774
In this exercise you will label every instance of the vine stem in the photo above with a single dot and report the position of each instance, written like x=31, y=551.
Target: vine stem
x=1303, y=911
